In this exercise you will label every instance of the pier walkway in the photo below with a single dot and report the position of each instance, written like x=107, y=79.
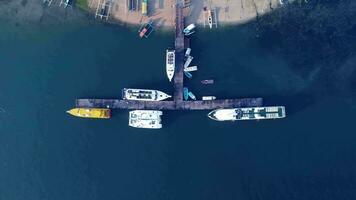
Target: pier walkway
x=179, y=53
x=177, y=103
x=168, y=105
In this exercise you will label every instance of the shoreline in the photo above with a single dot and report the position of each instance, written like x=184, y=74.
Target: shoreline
x=161, y=12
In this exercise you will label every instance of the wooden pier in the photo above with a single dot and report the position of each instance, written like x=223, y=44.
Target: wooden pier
x=177, y=103
x=168, y=105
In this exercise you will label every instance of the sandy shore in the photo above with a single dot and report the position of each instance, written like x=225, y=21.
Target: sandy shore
x=162, y=11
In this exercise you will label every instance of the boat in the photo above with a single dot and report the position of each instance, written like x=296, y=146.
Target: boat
x=188, y=61
x=104, y=9
x=191, y=95
x=208, y=98
x=191, y=68
x=99, y=113
x=144, y=95
x=253, y=113
x=150, y=119
x=170, y=63
x=144, y=7
x=189, y=29
x=145, y=30
x=207, y=81
x=66, y=3
x=187, y=74
x=283, y=1
x=210, y=19
x=187, y=52
x=185, y=93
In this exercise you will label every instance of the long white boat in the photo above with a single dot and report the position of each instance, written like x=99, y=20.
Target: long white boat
x=150, y=119
x=253, y=113
x=144, y=95
x=170, y=63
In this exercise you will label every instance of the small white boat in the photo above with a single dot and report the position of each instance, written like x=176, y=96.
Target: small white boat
x=170, y=63
x=187, y=52
x=150, y=119
x=192, y=96
x=208, y=98
x=189, y=29
x=191, y=68
x=210, y=19
x=188, y=61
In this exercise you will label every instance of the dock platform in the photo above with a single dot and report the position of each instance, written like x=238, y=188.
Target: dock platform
x=168, y=105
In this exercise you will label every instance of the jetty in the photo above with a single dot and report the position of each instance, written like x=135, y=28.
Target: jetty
x=177, y=103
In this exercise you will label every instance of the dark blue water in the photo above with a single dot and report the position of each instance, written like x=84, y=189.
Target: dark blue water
x=301, y=56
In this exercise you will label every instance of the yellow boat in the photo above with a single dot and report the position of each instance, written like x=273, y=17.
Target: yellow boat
x=144, y=7
x=101, y=113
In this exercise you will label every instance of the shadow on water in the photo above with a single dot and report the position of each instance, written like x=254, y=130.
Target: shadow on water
x=317, y=39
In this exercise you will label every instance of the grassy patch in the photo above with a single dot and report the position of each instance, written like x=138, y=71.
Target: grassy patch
x=82, y=4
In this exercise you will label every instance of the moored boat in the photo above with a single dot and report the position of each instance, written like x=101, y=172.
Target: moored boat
x=208, y=98
x=144, y=7
x=191, y=95
x=253, y=113
x=189, y=29
x=187, y=74
x=143, y=95
x=185, y=93
x=145, y=30
x=150, y=119
x=188, y=61
x=191, y=68
x=187, y=52
x=210, y=19
x=170, y=64
x=99, y=113
x=207, y=81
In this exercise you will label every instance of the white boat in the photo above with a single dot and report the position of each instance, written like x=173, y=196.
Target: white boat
x=170, y=63
x=192, y=96
x=210, y=19
x=191, y=68
x=66, y=3
x=189, y=29
x=208, y=98
x=187, y=52
x=150, y=119
x=253, y=113
x=188, y=61
x=143, y=95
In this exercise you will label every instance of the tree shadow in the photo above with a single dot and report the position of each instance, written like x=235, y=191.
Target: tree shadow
x=316, y=39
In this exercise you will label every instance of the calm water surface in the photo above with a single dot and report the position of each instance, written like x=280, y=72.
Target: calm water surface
x=47, y=154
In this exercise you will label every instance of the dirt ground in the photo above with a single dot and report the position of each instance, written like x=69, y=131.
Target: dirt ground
x=162, y=11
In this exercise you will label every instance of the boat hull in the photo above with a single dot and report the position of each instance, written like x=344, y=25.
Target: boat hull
x=254, y=113
x=97, y=113
x=147, y=119
x=144, y=95
x=170, y=64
